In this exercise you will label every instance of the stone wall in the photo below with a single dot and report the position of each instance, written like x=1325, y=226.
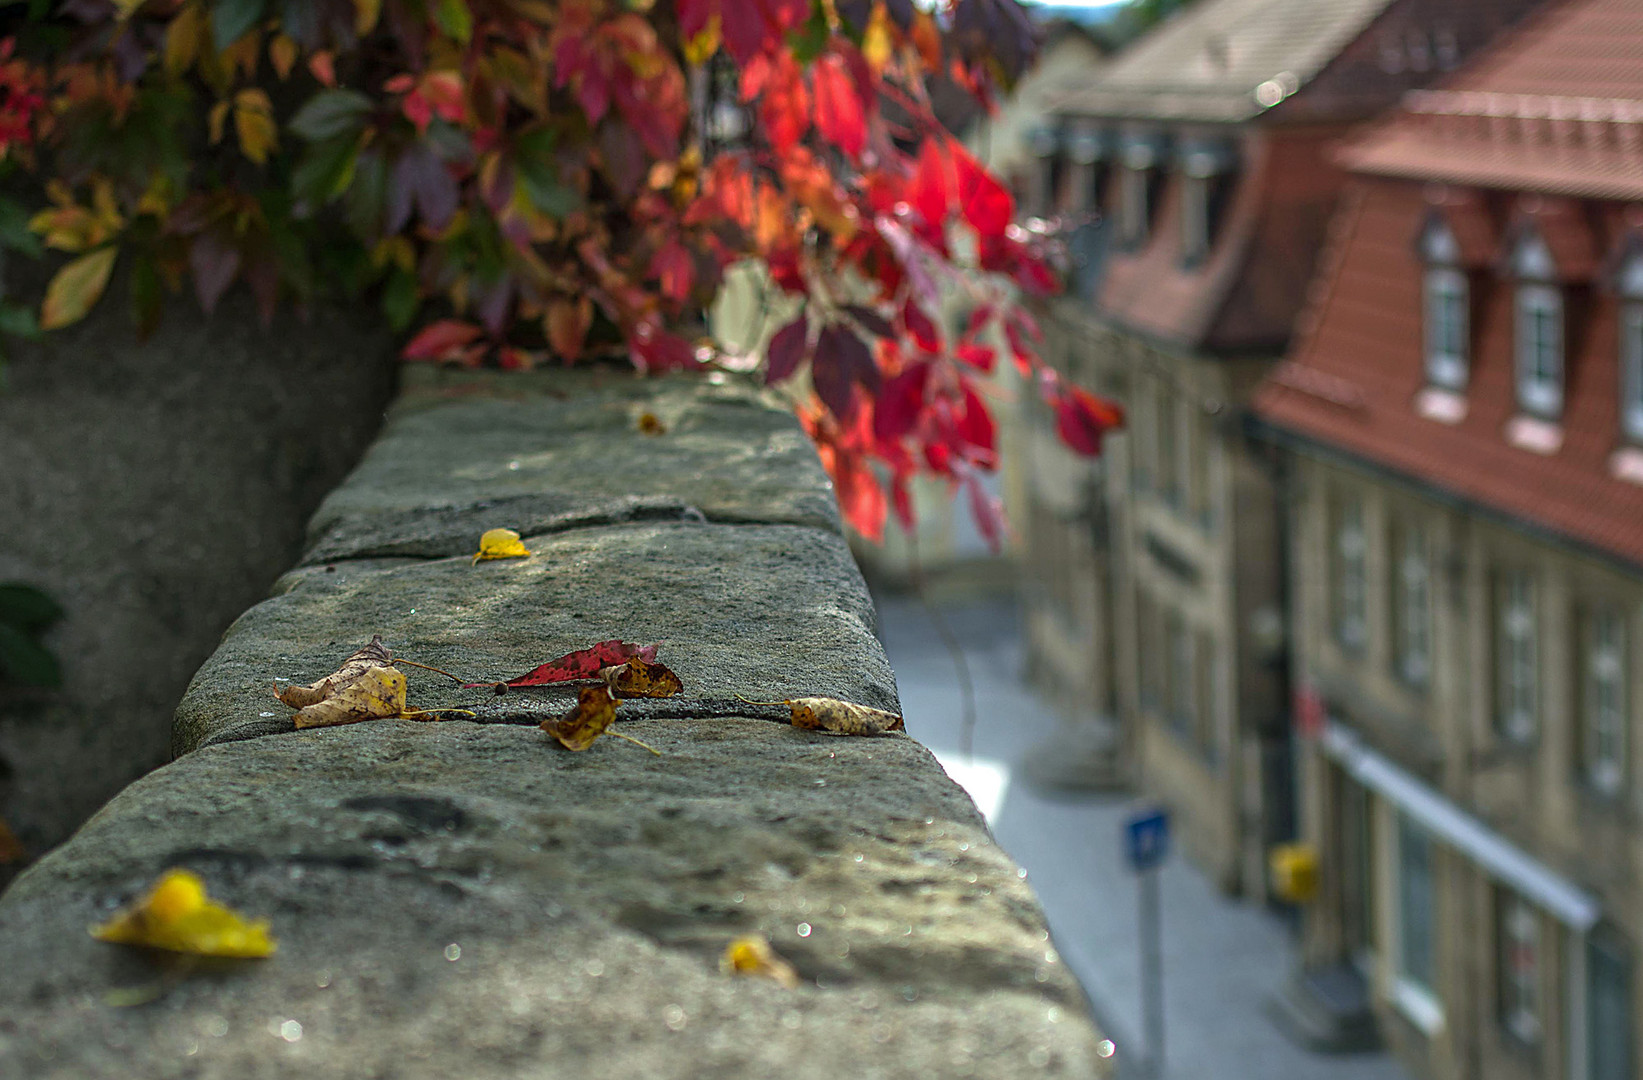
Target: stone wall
x=465, y=898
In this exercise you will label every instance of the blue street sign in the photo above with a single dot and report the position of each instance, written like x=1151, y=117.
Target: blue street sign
x=1146, y=838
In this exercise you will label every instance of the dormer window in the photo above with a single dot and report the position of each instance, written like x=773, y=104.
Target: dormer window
x=1138, y=161
x=1447, y=300
x=1204, y=182
x=1631, y=345
x=1538, y=329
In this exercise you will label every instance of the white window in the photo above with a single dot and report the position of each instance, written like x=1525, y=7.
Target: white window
x=1416, y=982
x=1446, y=327
x=1351, y=590
x=1516, y=669
x=1519, y=968
x=1133, y=212
x=1631, y=368
x=1412, y=606
x=1194, y=218
x=1604, y=720
x=1540, y=349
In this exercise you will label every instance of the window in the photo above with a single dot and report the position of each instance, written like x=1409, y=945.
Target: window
x=1134, y=193
x=1181, y=682
x=1516, y=674
x=1351, y=623
x=1540, y=349
x=1194, y=218
x=1446, y=327
x=1417, y=925
x=1631, y=368
x=1603, y=703
x=1608, y=1007
x=1519, y=968
x=1412, y=606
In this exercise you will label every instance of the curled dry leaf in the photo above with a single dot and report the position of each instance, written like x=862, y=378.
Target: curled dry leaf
x=500, y=544
x=178, y=916
x=376, y=654
x=651, y=424
x=839, y=717
x=595, y=710
x=377, y=694
x=581, y=664
x=752, y=955
x=641, y=678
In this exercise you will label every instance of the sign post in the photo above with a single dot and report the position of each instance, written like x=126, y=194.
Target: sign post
x=1146, y=836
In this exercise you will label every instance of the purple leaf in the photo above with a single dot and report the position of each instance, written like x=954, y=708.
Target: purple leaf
x=214, y=264
x=841, y=360
x=786, y=351
x=870, y=320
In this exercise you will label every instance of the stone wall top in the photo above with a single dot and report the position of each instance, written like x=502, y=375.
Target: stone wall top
x=466, y=898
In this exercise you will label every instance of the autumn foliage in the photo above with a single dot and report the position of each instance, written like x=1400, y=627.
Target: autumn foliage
x=516, y=182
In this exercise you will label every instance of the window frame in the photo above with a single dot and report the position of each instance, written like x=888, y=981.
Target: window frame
x=1412, y=631
x=1539, y=304
x=1415, y=991
x=1630, y=347
x=1518, y=995
x=1517, y=638
x=1448, y=355
x=1349, y=586
x=1604, y=712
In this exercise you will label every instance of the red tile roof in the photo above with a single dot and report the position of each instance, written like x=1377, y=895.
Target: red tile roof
x=1556, y=107
x=1352, y=382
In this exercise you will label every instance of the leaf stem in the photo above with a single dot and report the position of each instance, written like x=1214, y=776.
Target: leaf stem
x=750, y=701
x=636, y=742
x=430, y=667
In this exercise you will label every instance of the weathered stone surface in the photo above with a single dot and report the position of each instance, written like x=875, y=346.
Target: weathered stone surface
x=451, y=465
x=590, y=896
x=768, y=612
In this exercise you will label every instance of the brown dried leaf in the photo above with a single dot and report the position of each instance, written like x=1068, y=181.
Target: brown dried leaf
x=640, y=678
x=595, y=711
x=377, y=694
x=376, y=654
x=842, y=717
x=752, y=955
x=651, y=424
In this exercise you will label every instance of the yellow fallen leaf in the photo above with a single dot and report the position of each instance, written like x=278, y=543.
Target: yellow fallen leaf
x=379, y=693
x=839, y=717
x=592, y=716
x=501, y=544
x=177, y=916
x=375, y=654
x=752, y=955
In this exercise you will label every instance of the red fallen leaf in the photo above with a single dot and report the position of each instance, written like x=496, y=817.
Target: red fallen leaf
x=786, y=351
x=443, y=340
x=986, y=204
x=1082, y=419
x=839, y=114
x=581, y=664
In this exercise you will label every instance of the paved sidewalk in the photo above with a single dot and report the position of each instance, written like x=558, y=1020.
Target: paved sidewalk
x=1222, y=958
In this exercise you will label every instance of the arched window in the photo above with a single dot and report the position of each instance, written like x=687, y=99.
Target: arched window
x=1447, y=299
x=1538, y=328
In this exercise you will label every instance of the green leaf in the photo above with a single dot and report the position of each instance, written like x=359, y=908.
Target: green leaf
x=14, y=229
x=231, y=19
x=18, y=320
x=76, y=288
x=533, y=157
x=455, y=19
x=25, y=661
x=808, y=40
x=325, y=171
x=330, y=113
x=27, y=608
x=399, y=299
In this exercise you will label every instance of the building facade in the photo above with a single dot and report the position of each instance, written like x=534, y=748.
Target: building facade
x=1154, y=587
x=1462, y=433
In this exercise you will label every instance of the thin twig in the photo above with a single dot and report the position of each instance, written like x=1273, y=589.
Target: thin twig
x=441, y=671
x=750, y=701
